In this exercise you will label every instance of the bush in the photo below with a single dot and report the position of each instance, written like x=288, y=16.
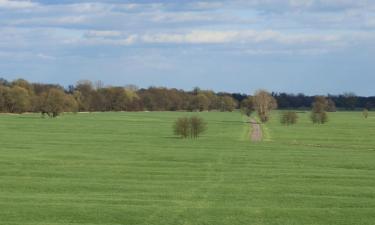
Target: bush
x=189, y=127
x=182, y=127
x=289, y=118
x=365, y=113
x=197, y=126
x=318, y=113
x=319, y=117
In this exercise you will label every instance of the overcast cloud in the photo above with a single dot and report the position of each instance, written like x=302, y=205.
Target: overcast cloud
x=227, y=45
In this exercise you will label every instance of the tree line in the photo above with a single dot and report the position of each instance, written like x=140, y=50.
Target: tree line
x=19, y=96
x=345, y=101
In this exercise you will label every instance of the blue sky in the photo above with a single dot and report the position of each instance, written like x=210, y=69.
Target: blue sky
x=309, y=46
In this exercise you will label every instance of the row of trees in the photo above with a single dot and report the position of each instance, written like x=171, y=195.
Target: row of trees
x=21, y=96
x=347, y=101
x=263, y=103
x=318, y=115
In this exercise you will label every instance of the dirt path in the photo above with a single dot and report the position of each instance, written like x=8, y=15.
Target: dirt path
x=256, y=131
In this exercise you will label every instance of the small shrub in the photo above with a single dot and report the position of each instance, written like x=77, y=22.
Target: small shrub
x=189, y=127
x=197, y=126
x=289, y=118
x=319, y=117
x=318, y=113
x=365, y=113
x=182, y=127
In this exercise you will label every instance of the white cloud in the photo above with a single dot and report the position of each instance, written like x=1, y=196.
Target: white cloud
x=88, y=7
x=14, y=4
x=314, y=5
x=236, y=36
x=219, y=23
x=370, y=23
x=50, y=21
x=102, y=33
x=306, y=51
x=104, y=38
x=183, y=17
x=45, y=56
x=25, y=55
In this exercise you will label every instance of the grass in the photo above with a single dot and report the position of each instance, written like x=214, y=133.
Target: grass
x=128, y=168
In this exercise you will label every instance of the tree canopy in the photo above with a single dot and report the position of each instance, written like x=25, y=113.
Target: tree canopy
x=20, y=96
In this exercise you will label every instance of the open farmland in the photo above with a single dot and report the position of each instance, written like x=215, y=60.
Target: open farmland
x=128, y=168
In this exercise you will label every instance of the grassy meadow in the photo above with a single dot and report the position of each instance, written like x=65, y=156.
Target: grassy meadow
x=129, y=168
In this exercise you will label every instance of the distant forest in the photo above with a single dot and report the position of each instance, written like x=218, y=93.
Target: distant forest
x=20, y=96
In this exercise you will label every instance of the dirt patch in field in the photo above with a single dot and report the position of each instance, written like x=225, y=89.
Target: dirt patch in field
x=256, y=131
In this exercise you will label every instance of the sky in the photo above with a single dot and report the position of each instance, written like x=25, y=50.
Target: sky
x=294, y=46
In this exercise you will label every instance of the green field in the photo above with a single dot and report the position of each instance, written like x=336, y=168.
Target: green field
x=128, y=168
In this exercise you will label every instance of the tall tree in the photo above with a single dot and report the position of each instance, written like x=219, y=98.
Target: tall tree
x=3, y=98
x=83, y=93
x=54, y=101
x=248, y=106
x=264, y=103
x=18, y=100
x=227, y=104
x=200, y=102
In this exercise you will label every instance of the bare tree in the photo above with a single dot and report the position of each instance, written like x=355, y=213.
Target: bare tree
x=264, y=103
x=99, y=84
